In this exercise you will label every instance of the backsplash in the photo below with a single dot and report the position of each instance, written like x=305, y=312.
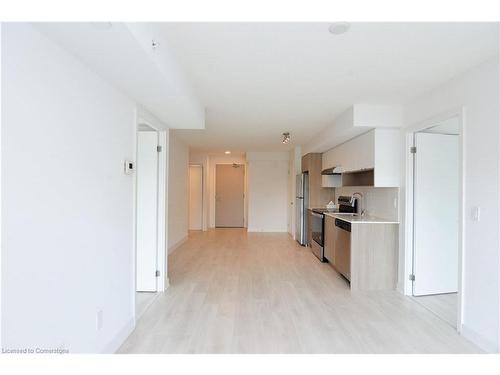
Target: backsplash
x=381, y=202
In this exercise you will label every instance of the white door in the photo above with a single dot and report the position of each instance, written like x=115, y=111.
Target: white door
x=147, y=211
x=195, y=197
x=436, y=206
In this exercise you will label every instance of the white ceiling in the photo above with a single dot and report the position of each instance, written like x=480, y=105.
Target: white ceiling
x=123, y=55
x=257, y=80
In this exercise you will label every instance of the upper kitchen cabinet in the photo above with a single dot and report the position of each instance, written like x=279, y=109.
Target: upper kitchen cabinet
x=319, y=196
x=371, y=159
x=306, y=162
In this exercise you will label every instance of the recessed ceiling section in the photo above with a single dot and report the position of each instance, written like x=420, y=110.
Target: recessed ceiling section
x=124, y=55
x=258, y=80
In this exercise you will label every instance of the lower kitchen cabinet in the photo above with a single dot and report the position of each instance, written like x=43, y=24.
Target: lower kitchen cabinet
x=374, y=256
x=368, y=258
x=329, y=245
x=309, y=228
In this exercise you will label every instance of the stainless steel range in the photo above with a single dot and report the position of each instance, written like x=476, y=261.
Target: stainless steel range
x=346, y=204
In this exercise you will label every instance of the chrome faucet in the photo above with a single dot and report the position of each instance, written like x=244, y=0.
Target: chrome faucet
x=362, y=203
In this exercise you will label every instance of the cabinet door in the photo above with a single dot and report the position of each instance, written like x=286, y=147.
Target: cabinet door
x=342, y=252
x=305, y=163
x=309, y=228
x=329, y=239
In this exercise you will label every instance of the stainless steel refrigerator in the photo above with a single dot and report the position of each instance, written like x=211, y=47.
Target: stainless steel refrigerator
x=301, y=204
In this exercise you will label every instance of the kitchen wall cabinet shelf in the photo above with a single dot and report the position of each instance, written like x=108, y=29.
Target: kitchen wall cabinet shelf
x=329, y=181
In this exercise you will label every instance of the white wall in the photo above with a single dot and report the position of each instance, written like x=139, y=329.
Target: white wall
x=295, y=167
x=178, y=192
x=195, y=197
x=267, y=191
x=67, y=214
x=477, y=91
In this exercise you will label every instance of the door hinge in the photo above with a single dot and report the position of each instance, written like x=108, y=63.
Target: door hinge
x=157, y=273
x=413, y=150
x=411, y=277
x=158, y=148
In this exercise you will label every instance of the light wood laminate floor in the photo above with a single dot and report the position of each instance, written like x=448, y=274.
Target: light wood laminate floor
x=443, y=305
x=238, y=292
x=142, y=301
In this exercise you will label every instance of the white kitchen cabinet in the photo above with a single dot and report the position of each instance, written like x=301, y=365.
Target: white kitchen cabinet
x=377, y=150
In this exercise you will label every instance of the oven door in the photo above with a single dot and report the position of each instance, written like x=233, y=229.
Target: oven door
x=317, y=228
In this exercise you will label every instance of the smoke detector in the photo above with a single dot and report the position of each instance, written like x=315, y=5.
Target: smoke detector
x=338, y=28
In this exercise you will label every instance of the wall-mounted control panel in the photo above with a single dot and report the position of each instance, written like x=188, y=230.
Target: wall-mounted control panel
x=129, y=167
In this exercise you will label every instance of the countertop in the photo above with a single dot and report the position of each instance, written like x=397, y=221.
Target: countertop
x=357, y=219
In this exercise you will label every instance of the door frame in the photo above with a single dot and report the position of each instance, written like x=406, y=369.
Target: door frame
x=202, y=192
x=409, y=202
x=162, y=281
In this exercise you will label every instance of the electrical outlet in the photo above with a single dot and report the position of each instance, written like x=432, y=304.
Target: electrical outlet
x=99, y=320
x=476, y=213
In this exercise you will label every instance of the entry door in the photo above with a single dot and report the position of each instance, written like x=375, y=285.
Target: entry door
x=436, y=206
x=147, y=211
x=229, y=195
x=195, y=197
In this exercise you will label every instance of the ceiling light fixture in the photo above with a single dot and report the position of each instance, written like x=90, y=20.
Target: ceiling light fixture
x=227, y=152
x=286, y=138
x=338, y=28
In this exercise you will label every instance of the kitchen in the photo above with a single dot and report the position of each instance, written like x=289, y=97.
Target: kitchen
x=358, y=234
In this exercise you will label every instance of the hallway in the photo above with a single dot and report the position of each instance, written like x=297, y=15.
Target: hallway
x=237, y=292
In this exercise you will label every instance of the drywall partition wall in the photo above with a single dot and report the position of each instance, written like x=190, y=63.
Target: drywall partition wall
x=68, y=207
x=267, y=191
x=291, y=193
x=294, y=169
x=209, y=161
x=178, y=192
x=354, y=121
x=477, y=92
x=195, y=197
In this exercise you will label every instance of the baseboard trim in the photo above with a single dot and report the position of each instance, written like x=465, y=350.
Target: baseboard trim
x=479, y=340
x=260, y=230
x=400, y=287
x=178, y=244
x=119, y=338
